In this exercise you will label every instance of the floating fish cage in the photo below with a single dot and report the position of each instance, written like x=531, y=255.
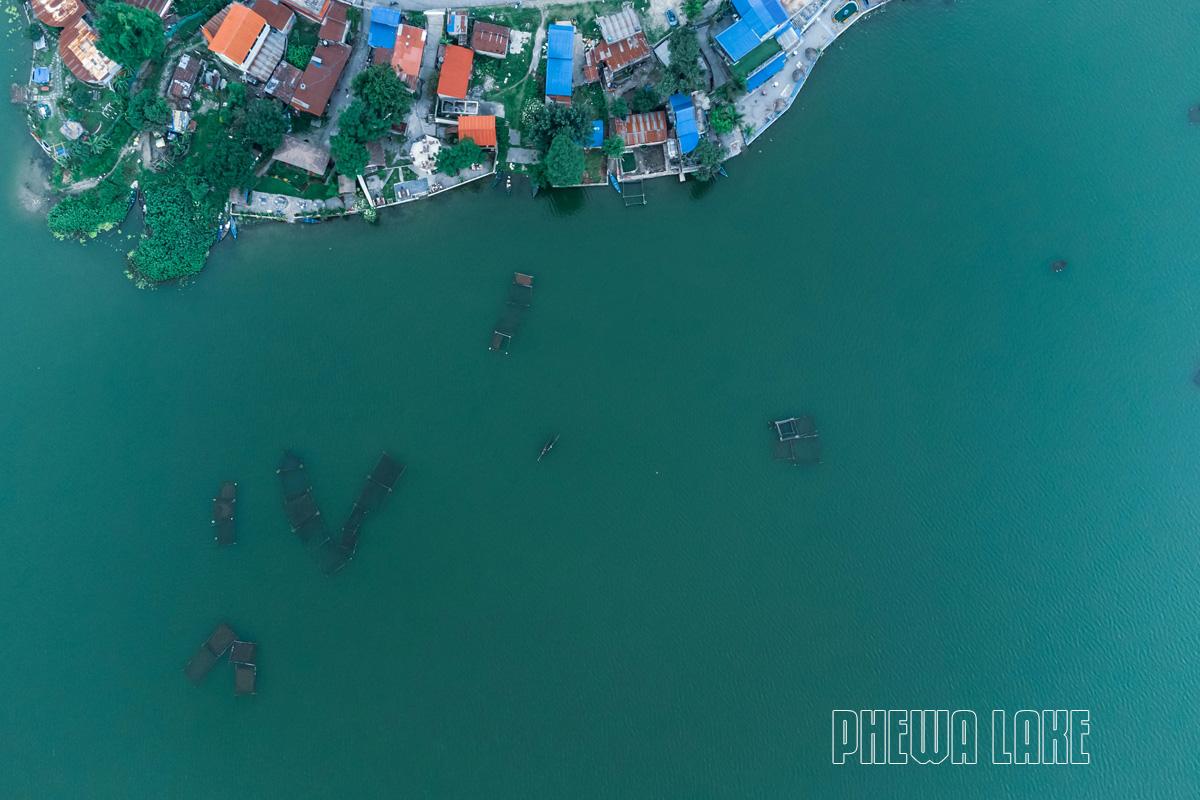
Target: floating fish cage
x=500, y=341
x=798, y=440
x=520, y=293
x=223, y=513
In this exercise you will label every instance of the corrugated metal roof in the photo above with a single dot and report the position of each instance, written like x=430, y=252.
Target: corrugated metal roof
x=618, y=26
x=685, y=122
x=737, y=40
x=642, y=129
x=766, y=72
x=764, y=16
x=384, y=22
x=561, y=41
x=560, y=52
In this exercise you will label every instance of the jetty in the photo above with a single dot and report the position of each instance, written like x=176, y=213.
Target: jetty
x=209, y=653
x=299, y=504
x=223, y=513
x=798, y=440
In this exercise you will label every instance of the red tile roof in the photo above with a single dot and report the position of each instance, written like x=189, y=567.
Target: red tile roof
x=482, y=129
x=277, y=16
x=320, y=78
x=456, y=72
x=406, y=56
x=238, y=32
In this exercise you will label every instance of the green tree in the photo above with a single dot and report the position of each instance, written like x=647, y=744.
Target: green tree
x=614, y=146
x=299, y=53
x=684, y=74
x=693, y=9
x=548, y=121
x=360, y=123
x=35, y=31
x=564, y=161
x=129, y=35
x=350, y=156
x=646, y=99
x=453, y=160
x=180, y=230
x=264, y=123
x=382, y=91
x=724, y=118
x=146, y=109
x=89, y=213
x=620, y=108
x=707, y=155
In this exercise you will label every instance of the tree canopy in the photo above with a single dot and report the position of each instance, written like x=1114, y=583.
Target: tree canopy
x=350, y=156
x=684, y=74
x=646, y=99
x=129, y=35
x=724, y=118
x=614, y=146
x=265, y=123
x=547, y=122
x=708, y=155
x=383, y=93
x=620, y=108
x=147, y=109
x=90, y=213
x=564, y=161
x=692, y=9
x=453, y=160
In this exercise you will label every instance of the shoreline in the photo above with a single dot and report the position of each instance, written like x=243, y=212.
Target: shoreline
x=812, y=28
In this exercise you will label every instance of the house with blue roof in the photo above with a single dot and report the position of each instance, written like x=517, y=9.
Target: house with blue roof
x=687, y=129
x=384, y=24
x=560, y=61
x=758, y=20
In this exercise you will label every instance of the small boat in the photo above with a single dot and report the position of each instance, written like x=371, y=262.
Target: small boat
x=1059, y=265
x=309, y=220
x=223, y=230
x=720, y=171
x=612, y=180
x=233, y=227
x=547, y=447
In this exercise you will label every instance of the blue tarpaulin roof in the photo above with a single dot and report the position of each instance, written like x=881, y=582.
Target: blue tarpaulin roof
x=561, y=40
x=597, y=134
x=685, y=122
x=766, y=72
x=41, y=74
x=737, y=40
x=764, y=16
x=384, y=22
x=560, y=52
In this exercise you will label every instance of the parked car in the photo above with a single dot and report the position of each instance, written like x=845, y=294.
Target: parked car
x=672, y=20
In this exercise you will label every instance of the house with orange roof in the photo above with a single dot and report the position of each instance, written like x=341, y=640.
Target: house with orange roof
x=406, y=55
x=455, y=77
x=480, y=129
x=313, y=9
x=240, y=36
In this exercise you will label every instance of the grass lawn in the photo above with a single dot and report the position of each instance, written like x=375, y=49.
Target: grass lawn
x=282, y=179
x=756, y=58
x=593, y=166
x=302, y=41
x=511, y=85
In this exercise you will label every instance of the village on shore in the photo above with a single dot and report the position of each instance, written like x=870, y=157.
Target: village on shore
x=302, y=110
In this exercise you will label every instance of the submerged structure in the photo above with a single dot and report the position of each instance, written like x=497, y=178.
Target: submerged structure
x=798, y=441
x=223, y=513
x=520, y=293
x=209, y=653
x=299, y=505
x=245, y=667
x=378, y=485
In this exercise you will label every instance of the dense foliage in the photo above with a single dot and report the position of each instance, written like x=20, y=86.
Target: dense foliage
x=684, y=74
x=564, y=161
x=620, y=108
x=129, y=35
x=182, y=229
x=298, y=54
x=381, y=99
x=90, y=213
x=147, y=109
x=453, y=160
x=692, y=9
x=614, y=146
x=646, y=99
x=546, y=123
x=265, y=123
x=708, y=155
x=724, y=118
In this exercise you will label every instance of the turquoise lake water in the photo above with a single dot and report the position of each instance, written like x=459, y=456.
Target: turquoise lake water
x=1006, y=516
